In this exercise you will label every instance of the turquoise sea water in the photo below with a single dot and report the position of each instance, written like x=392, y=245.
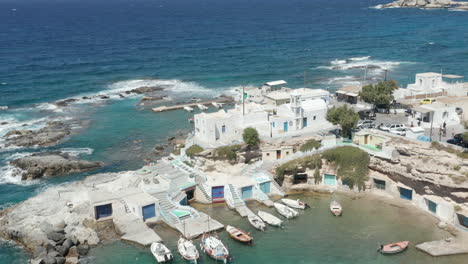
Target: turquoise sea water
x=314, y=237
x=52, y=50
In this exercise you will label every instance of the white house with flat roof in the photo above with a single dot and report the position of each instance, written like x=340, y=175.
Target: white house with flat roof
x=435, y=114
x=273, y=86
x=299, y=117
x=432, y=84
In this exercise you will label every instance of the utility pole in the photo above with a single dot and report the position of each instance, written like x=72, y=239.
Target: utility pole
x=432, y=121
x=386, y=74
x=243, y=100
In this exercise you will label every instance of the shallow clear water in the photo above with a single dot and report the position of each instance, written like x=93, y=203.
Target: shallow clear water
x=315, y=236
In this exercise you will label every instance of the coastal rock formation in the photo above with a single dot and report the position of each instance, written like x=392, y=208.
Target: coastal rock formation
x=51, y=134
x=51, y=164
x=425, y=4
x=146, y=89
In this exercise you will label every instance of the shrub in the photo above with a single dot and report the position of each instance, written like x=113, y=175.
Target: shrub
x=457, y=167
x=298, y=165
x=309, y=145
x=228, y=152
x=317, y=176
x=351, y=163
x=251, y=137
x=193, y=150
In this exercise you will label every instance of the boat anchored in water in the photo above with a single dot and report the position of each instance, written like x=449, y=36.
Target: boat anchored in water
x=217, y=105
x=202, y=107
x=335, y=208
x=298, y=204
x=214, y=247
x=188, y=109
x=257, y=222
x=270, y=219
x=161, y=253
x=187, y=250
x=394, y=248
x=285, y=211
x=239, y=234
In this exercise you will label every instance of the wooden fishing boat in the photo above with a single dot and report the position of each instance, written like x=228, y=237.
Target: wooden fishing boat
x=298, y=204
x=270, y=219
x=239, y=234
x=161, y=253
x=257, y=222
x=394, y=248
x=188, y=250
x=285, y=211
x=214, y=247
x=336, y=208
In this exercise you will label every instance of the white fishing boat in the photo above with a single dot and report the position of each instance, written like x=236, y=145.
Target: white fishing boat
x=257, y=222
x=335, y=208
x=270, y=219
x=211, y=245
x=3, y=107
x=285, y=211
x=202, y=107
x=161, y=253
x=188, y=250
x=217, y=105
x=298, y=204
x=188, y=108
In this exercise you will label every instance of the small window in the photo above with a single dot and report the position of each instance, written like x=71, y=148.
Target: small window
x=315, y=117
x=273, y=124
x=287, y=152
x=268, y=154
x=223, y=129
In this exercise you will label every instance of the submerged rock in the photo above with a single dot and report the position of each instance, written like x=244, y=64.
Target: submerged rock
x=147, y=89
x=51, y=164
x=422, y=4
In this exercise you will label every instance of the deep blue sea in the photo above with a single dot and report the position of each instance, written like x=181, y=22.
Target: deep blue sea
x=52, y=50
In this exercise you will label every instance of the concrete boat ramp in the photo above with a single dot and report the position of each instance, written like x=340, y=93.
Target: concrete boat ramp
x=194, y=227
x=444, y=247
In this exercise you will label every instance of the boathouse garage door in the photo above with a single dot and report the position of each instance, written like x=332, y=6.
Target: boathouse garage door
x=217, y=193
x=265, y=187
x=104, y=210
x=463, y=220
x=149, y=211
x=247, y=192
x=406, y=194
x=330, y=179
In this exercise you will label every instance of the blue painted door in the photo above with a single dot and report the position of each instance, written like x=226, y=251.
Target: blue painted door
x=432, y=206
x=285, y=126
x=406, y=194
x=104, y=210
x=330, y=179
x=304, y=122
x=247, y=192
x=149, y=211
x=265, y=187
x=217, y=192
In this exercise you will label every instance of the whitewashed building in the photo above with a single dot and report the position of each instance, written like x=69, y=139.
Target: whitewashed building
x=435, y=114
x=431, y=84
x=299, y=117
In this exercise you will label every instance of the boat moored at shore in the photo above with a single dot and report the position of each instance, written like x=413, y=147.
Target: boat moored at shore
x=394, y=248
x=285, y=211
x=239, y=234
x=270, y=219
x=188, y=250
x=214, y=247
x=161, y=253
x=298, y=204
x=256, y=222
x=335, y=208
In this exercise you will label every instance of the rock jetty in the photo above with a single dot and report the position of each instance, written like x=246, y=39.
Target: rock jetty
x=426, y=4
x=50, y=164
x=53, y=133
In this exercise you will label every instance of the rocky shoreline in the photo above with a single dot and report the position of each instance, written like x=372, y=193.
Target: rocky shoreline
x=430, y=4
x=49, y=164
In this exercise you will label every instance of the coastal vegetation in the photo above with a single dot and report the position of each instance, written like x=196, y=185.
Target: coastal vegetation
x=193, y=150
x=227, y=152
x=351, y=164
x=379, y=94
x=298, y=165
x=346, y=117
x=309, y=145
x=251, y=137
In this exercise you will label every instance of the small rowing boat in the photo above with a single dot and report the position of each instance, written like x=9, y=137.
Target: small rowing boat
x=285, y=211
x=239, y=234
x=217, y=105
x=202, y=107
x=335, y=208
x=257, y=222
x=298, y=204
x=188, y=108
x=160, y=252
x=394, y=248
x=270, y=219
x=188, y=250
x=211, y=245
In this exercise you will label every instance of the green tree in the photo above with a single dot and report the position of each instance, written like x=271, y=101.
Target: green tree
x=343, y=116
x=380, y=93
x=251, y=137
x=317, y=176
x=465, y=137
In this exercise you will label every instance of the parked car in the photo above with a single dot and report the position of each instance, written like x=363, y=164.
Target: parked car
x=458, y=140
x=427, y=101
x=366, y=114
x=391, y=126
x=365, y=124
x=398, y=131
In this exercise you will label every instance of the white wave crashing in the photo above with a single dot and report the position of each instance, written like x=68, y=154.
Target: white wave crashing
x=174, y=86
x=363, y=62
x=75, y=152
